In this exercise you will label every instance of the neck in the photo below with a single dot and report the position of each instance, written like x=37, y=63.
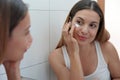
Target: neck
x=86, y=49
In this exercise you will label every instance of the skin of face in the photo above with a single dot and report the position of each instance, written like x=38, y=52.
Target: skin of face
x=19, y=41
x=86, y=23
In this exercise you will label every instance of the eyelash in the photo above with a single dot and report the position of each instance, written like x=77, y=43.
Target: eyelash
x=79, y=22
x=93, y=26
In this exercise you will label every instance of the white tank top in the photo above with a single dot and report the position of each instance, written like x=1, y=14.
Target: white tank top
x=101, y=72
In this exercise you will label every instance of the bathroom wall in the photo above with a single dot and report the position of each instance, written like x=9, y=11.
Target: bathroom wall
x=47, y=19
x=112, y=18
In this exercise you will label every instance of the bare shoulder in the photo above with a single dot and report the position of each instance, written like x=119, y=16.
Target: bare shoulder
x=57, y=64
x=109, y=48
x=56, y=59
x=111, y=55
x=56, y=56
x=109, y=51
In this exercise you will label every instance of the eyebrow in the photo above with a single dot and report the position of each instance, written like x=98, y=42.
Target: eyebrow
x=83, y=20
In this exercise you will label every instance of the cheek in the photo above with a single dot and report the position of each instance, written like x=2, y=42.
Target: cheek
x=93, y=34
x=13, y=50
x=19, y=48
x=76, y=30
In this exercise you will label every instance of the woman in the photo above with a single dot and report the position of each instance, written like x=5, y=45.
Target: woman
x=84, y=52
x=15, y=37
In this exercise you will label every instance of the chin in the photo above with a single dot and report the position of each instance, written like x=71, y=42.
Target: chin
x=20, y=57
x=83, y=42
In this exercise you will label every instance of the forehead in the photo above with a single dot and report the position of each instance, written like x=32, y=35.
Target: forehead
x=88, y=15
x=22, y=25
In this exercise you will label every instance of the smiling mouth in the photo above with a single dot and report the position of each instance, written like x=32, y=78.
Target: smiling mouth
x=82, y=38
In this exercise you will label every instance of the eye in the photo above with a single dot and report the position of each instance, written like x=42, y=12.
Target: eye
x=93, y=25
x=78, y=23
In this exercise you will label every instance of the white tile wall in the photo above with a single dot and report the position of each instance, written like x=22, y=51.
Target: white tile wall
x=61, y=4
x=112, y=16
x=37, y=72
x=40, y=31
x=57, y=19
x=38, y=4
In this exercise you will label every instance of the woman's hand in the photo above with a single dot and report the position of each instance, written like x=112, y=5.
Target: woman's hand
x=76, y=71
x=12, y=69
x=70, y=42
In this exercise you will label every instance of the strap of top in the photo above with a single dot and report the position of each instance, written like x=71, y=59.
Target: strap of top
x=66, y=57
x=101, y=60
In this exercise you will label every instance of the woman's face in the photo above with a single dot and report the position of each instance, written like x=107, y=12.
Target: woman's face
x=86, y=23
x=19, y=41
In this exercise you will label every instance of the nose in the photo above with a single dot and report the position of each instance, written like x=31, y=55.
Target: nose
x=29, y=41
x=84, y=30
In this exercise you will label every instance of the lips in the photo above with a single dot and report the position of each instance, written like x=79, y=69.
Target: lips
x=82, y=38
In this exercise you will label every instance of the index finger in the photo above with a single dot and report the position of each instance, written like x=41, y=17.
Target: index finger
x=71, y=30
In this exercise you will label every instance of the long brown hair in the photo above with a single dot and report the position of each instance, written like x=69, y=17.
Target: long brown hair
x=4, y=23
x=102, y=34
x=11, y=13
